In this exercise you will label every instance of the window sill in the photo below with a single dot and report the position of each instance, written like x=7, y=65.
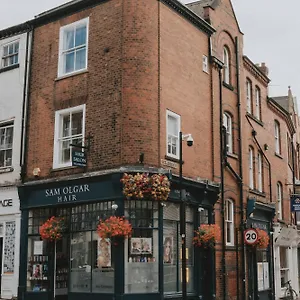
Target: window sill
x=62, y=168
x=6, y=170
x=259, y=122
x=5, y=69
x=232, y=155
x=278, y=155
x=206, y=72
x=71, y=74
x=258, y=193
x=230, y=247
x=228, y=86
x=170, y=158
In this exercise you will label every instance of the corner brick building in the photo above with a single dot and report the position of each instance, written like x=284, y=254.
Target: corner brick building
x=121, y=79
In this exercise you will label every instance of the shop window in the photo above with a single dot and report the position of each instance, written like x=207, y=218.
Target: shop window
x=6, y=144
x=172, y=249
x=229, y=222
x=173, y=128
x=141, y=250
x=284, y=267
x=73, y=43
x=10, y=55
x=263, y=271
x=69, y=129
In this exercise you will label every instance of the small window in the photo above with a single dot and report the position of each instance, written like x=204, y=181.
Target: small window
x=229, y=222
x=173, y=129
x=279, y=201
x=284, y=266
x=249, y=96
x=251, y=168
x=10, y=55
x=260, y=172
x=73, y=44
x=277, y=137
x=205, y=63
x=227, y=123
x=69, y=129
x=6, y=145
x=257, y=104
x=226, y=68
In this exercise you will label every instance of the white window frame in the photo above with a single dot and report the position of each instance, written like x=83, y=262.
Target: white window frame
x=8, y=56
x=257, y=103
x=285, y=269
x=226, y=67
x=62, y=52
x=279, y=200
x=251, y=168
x=5, y=126
x=249, y=96
x=205, y=63
x=227, y=123
x=57, y=133
x=277, y=137
x=177, y=117
x=229, y=222
x=260, y=172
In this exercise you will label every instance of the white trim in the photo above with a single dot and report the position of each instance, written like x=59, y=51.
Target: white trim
x=277, y=137
x=57, y=129
x=229, y=221
x=227, y=123
x=60, y=71
x=177, y=117
x=249, y=96
x=260, y=172
x=226, y=68
x=16, y=41
x=279, y=200
x=251, y=168
x=257, y=103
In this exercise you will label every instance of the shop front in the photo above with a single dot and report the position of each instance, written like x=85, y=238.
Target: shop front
x=82, y=265
x=9, y=241
x=260, y=256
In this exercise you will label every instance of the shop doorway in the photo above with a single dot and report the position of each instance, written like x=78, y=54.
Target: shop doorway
x=61, y=275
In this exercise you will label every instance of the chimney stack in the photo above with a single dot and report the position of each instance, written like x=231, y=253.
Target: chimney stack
x=263, y=68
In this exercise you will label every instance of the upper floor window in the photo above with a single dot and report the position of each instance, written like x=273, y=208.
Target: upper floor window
x=227, y=123
x=251, y=168
x=279, y=200
x=10, y=54
x=69, y=129
x=6, y=144
x=205, y=63
x=229, y=222
x=173, y=128
x=277, y=137
x=257, y=103
x=260, y=172
x=73, y=46
x=249, y=96
x=226, y=68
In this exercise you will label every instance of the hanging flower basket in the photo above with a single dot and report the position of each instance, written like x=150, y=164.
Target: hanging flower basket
x=140, y=186
x=52, y=229
x=263, y=239
x=114, y=227
x=207, y=235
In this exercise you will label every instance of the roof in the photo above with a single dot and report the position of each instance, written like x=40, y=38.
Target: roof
x=283, y=101
x=14, y=30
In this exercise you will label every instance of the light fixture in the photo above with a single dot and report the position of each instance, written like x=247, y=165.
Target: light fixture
x=114, y=206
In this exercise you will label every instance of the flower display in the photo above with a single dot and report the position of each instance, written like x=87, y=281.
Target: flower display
x=52, y=229
x=207, y=235
x=140, y=186
x=263, y=239
x=114, y=227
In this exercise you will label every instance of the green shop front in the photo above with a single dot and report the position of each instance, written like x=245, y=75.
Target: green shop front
x=81, y=265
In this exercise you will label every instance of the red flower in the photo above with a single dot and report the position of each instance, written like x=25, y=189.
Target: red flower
x=52, y=229
x=207, y=235
x=262, y=240
x=114, y=226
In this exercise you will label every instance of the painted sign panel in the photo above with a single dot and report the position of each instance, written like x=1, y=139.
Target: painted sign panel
x=295, y=203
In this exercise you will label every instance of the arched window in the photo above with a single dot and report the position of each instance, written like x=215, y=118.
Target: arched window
x=277, y=137
x=279, y=200
x=229, y=222
x=257, y=103
x=251, y=168
x=259, y=172
x=249, y=96
x=226, y=68
x=227, y=123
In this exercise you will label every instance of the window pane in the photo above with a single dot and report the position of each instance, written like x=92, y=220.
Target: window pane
x=80, y=59
x=5, y=51
x=65, y=151
x=77, y=123
x=16, y=47
x=172, y=126
x=69, y=62
x=80, y=277
x=10, y=49
x=66, y=126
x=9, y=137
x=69, y=39
x=80, y=38
x=8, y=159
x=2, y=159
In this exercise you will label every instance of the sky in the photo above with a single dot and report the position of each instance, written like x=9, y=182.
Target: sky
x=270, y=30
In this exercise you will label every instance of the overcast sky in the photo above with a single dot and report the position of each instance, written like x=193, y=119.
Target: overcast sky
x=270, y=28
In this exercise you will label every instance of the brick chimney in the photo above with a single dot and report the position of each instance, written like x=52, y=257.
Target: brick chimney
x=263, y=68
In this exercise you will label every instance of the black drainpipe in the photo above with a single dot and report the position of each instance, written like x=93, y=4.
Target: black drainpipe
x=242, y=224
x=25, y=113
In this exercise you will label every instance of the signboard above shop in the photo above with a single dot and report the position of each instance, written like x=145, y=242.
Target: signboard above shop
x=78, y=158
x=295, y=203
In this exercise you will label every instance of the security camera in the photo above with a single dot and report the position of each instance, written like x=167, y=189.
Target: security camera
x=190, y=140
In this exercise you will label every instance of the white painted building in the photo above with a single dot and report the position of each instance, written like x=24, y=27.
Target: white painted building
x=14, y=53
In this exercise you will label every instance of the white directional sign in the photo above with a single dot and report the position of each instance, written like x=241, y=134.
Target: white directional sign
x=250, y=236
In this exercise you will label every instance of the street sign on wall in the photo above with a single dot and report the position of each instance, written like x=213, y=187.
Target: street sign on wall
x=250, y=236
